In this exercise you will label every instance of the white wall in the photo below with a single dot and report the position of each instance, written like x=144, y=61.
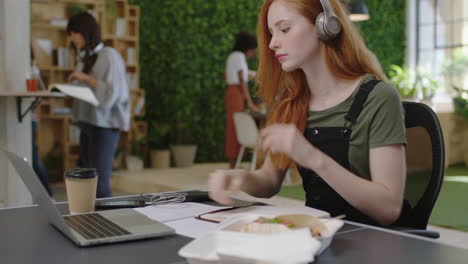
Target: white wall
x=14, y=63
x=2, y=76
x=411, y=24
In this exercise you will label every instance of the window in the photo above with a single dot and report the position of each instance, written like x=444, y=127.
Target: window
x=442, y=35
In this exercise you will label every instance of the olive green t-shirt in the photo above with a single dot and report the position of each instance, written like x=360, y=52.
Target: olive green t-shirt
x=380, y=123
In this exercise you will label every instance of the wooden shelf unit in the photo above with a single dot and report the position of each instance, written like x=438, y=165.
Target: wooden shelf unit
x=57, y=140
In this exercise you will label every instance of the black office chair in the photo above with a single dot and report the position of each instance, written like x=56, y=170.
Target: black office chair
x=425, y=161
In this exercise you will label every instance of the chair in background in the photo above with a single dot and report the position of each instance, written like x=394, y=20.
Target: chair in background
x=246, y=133
x=425, y=161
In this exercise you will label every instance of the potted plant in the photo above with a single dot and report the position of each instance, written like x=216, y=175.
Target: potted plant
x=158, y=139
x=460, y=102
x=183, y=150
x=413, y=81
x=454, y=71
x=401, y=78
x=135, y=161
x=427, y=84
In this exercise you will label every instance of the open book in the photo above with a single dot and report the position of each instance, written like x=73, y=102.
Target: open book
x=79, y=92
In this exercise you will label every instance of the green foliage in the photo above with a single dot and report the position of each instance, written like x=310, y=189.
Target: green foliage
x=183, y=48
x=76, y=9
x=158, y=138
x=457, y=65
x=428, y=84
x=53, y=161
x=138, y=147
x=461, y=106
x=401, y=78
x=455, y=69
x=385, y=31
x=410, y=81
x=111, y=10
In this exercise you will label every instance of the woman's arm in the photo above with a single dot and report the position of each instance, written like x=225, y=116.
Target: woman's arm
x=264, y=182
x=111, y=84
x=381, y=198
x=243, y=84
x=83, y=77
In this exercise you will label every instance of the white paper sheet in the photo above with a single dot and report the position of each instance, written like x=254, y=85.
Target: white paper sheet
x=181, y=216
x=170, y=212
x=192, y=227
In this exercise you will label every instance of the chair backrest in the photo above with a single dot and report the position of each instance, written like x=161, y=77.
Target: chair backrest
x=425, y=159
x=246, y=129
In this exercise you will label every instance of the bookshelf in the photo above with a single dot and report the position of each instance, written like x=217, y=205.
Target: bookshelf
x=119, y=21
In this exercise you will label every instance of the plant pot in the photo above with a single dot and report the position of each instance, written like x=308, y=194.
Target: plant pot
x=184, y=155
x=134, y=163
x=161, y=159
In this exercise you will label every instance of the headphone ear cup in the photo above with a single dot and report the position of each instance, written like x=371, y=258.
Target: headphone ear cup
x=320, y=27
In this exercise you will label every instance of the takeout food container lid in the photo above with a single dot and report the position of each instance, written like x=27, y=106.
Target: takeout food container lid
x=219, y=247
x=235, y=224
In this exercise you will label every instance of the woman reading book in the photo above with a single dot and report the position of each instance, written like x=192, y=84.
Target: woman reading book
x=103, y=70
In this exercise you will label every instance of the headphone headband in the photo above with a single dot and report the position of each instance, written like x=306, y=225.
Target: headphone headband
x=96, y=49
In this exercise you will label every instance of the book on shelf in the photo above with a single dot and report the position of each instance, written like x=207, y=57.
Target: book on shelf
x=79, y=92
x=61, y=57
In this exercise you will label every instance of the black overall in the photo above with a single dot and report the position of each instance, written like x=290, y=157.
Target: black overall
x=334, y=141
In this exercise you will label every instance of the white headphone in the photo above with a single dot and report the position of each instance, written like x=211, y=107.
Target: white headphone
x=327, y=23
x=96, y=49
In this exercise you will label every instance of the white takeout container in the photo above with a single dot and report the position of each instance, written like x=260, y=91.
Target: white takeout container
x=204, y=250
x=235, y=224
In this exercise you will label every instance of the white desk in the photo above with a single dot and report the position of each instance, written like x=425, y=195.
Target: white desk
x=37, y=98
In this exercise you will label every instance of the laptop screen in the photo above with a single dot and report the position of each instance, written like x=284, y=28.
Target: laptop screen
x=38, y=192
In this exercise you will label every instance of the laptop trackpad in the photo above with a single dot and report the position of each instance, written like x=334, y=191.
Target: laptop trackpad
x=134, y=221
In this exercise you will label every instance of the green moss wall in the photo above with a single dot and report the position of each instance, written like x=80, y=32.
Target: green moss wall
x=183, y=47
x=385, y=32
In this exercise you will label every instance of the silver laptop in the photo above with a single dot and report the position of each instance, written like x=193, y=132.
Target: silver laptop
x=93, y=228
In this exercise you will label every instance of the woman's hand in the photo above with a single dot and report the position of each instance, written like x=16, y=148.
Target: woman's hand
x=288, y=140
x=224, y=183
x=79, y=76
x=253, y=107
x=83, y=77
x=251, y=74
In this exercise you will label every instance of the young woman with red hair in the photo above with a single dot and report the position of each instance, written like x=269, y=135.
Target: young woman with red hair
x=331, y=113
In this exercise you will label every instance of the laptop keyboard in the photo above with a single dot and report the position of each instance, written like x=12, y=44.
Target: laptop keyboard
x=93, y=226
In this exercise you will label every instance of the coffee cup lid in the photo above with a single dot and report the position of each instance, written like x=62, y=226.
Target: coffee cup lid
x=81, y=173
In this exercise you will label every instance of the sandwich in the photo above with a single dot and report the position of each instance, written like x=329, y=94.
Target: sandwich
x=284, y=223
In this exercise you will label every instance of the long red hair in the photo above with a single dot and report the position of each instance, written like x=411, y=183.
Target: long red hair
x=287, y=94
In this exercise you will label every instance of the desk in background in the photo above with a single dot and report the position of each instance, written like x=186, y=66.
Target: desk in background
x=19, y=100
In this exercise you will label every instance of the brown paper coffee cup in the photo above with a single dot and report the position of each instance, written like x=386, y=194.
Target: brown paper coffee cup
x=81, y=185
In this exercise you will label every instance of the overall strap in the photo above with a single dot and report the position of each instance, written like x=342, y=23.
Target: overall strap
x=359, y=100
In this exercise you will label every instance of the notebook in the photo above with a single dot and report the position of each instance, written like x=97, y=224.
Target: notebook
x=92, y=228
x=79, y=92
